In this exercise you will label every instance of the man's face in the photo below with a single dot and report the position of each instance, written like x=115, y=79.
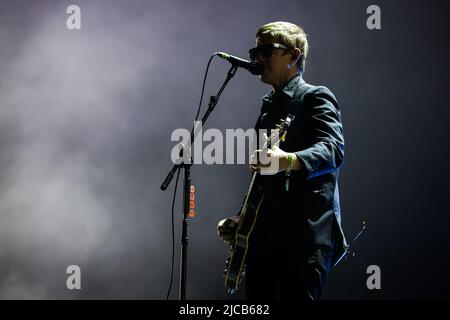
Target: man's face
x=275, y=67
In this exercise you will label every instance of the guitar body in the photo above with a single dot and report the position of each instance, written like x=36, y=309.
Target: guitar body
x=235, y=264
x=235, y=267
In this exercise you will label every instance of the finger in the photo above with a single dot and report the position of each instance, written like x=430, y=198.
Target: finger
x=227, y=222
x=275, y=148
x=258, y=151
x=264, y=165
x=260, y=165
x=262, y=157
x=226, y=235
x=227, y=238
x=221, y=223
x=254, y=157
x=223, y=230
x=227, y=228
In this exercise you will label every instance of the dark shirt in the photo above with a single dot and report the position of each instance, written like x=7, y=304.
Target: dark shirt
x=293, y=223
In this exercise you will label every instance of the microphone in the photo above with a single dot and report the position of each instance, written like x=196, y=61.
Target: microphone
x=252, y=67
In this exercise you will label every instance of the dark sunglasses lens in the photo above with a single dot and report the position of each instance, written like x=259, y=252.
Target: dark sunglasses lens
x=265, y=51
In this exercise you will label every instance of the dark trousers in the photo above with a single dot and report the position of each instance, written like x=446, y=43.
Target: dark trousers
x=287, y=278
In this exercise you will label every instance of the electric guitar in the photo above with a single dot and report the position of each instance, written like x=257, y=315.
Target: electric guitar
x=235, y=263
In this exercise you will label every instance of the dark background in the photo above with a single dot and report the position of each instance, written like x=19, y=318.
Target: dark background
x=86, y=118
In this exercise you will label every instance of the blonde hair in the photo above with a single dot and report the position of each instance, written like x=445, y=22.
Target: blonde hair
x=288, y=34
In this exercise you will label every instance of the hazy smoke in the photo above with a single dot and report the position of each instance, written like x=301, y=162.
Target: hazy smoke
x=86, y=117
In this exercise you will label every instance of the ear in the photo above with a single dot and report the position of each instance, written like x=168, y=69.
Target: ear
x=296, y=54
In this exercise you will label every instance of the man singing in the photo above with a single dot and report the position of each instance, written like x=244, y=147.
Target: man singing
x=297, y=237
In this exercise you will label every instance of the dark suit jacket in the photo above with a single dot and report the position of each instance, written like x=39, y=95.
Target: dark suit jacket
x=307, y=216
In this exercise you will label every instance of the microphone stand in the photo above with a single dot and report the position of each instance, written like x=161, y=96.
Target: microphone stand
x=187, y=184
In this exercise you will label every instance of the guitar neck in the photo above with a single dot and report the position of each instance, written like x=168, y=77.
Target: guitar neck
x=247, y=196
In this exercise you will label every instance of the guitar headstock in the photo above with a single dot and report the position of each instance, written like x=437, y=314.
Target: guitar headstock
x=278, y=134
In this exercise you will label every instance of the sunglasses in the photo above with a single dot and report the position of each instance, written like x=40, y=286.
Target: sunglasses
x=265, y=50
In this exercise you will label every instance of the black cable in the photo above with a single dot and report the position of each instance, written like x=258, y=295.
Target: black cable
x=203, y=90
x=178, y=174
x=173, y=233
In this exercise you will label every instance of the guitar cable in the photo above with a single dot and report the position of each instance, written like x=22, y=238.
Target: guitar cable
x=176, y=181
x=173, y=233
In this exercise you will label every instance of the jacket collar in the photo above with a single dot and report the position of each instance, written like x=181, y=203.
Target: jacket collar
x=289, y=88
